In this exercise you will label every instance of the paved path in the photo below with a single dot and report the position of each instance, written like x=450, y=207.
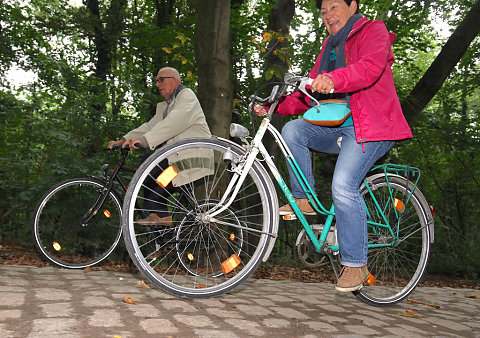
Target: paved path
x=50, y=302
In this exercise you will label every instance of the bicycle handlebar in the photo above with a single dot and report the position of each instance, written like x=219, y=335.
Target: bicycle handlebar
x=289, y=80
x=277, y=91
x=119, y=146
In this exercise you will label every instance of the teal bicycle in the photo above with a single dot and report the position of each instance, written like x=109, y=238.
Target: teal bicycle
x=227, y=222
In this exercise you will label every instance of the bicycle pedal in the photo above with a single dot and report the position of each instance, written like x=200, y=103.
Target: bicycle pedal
x=370, y=279
x=291, y=217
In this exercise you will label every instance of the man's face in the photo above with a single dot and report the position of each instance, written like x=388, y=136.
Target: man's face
x=166, y=83
x=335, y=14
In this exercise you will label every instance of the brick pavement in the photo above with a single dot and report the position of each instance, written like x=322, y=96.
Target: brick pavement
x=50, y=302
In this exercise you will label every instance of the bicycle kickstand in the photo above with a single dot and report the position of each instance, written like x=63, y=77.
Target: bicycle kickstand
x=333, y=263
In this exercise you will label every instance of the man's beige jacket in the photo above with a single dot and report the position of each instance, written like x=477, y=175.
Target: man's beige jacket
x=184, y=119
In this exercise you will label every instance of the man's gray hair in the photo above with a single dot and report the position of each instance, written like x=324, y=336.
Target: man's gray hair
x=173, y=72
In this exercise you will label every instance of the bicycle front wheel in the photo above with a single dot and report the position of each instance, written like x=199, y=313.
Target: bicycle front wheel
x=398, y=254
x=200, y=255
x=73, y=228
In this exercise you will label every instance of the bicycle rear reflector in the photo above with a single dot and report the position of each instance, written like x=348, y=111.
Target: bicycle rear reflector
x=56, y=246
x=231, y=263
x=167, y=176
x=107, y=213
x=399, y=205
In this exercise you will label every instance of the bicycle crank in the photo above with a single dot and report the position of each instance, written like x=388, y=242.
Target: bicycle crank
x=306, y=249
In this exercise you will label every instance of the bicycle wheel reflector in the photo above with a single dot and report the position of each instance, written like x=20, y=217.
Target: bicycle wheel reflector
x=167, y=176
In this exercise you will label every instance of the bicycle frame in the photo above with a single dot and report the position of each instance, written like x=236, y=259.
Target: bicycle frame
x=109, y=181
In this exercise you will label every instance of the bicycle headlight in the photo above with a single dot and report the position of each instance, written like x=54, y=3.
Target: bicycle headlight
x=237, y=130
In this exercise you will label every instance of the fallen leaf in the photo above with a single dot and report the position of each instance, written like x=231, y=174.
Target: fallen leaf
x=472, y=296
x=129, y=300
x=409, y=313
x=200, y=286
x=142, y=284
x=422, y=303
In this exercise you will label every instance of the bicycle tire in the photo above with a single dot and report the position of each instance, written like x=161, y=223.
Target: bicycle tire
x=398, y=268
x=212, y=242
x=63, y=238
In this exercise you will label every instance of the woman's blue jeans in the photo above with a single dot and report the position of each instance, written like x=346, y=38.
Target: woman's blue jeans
x=354, y=161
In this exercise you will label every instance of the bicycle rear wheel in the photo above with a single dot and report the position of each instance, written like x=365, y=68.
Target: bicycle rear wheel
x=199, y=257
x=68, y=233
x=399, y=266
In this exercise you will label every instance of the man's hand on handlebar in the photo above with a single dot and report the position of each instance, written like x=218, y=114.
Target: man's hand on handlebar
x=118, y=143
x=132, y=144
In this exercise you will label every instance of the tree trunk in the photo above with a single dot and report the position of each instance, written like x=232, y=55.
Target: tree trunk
x=164, y=10
x=442, y=66
x=107, y=32
x=212, y=46
x=279, y=20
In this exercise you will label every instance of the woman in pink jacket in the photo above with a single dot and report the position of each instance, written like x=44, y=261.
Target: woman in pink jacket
x=355, y=62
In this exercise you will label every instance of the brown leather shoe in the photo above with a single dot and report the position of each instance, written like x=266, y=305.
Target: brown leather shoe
x=352, y=279
x=303, y=204
x=153, y=220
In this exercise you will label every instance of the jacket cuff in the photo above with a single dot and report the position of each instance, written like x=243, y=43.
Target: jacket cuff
x=144, y=142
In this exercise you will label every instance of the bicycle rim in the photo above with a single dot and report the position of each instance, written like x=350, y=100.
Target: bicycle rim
x=397, y=268
x=64, y=236
x=197, y=257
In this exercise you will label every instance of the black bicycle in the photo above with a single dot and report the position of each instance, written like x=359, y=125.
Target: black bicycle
x=77, y=222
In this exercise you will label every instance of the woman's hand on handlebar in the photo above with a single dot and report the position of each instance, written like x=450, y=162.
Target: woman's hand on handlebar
x=323, y=84
x=260, y=110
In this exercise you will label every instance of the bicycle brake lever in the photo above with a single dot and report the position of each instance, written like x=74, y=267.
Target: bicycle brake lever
x=308, y=82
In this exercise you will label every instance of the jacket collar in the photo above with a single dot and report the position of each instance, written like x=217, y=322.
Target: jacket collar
x=357, y=26
x=177, y=90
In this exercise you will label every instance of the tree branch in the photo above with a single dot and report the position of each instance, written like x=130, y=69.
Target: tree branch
x=442, y=66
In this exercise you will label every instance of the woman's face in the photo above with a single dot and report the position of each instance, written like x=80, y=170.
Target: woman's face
x=335, y=14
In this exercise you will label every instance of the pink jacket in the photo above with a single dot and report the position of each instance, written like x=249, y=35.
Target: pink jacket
x=376, y=111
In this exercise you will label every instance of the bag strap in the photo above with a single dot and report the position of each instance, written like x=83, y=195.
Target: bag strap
x=334, y=101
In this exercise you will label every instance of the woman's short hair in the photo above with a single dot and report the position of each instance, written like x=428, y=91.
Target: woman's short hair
x=348, y=2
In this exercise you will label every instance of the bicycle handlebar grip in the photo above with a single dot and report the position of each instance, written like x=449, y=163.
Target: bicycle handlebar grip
x=119, y=146
x=310, y=81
